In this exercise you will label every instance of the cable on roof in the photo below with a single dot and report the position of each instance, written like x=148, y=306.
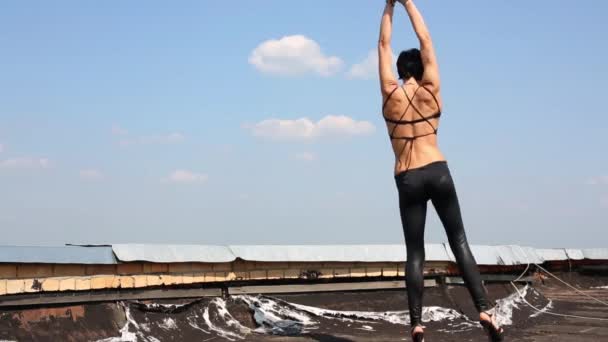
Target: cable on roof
x=553, y=313
x=562, y=281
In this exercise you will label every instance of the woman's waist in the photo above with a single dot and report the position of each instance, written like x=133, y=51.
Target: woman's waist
x=418, y=148
x=417, y=158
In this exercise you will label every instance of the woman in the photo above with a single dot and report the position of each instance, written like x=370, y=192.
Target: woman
x=412, y=112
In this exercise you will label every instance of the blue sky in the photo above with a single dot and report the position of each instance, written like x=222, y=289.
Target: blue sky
x=259, y=122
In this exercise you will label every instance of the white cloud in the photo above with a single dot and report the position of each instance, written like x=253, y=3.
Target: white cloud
x=599, y=180
x=304, y=129
x=117, y=130
x=25, y=163
x=293, y=55
x=185, y=176
x=1, y=148
x=172, y=138
x=305, y=156
x=343, y=125
x=125, y=139
x=91, y=175
x=367, y=69
x=243, y=197
x=284, y=129
x=604, y=202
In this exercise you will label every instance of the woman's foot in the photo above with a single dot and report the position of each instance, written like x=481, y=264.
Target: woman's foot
x=417, y=333
x=487, y=319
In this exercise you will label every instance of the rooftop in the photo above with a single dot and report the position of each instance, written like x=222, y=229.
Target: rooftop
x=158, y=253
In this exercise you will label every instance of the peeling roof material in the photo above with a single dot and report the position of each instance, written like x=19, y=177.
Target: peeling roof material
x=328, y=253
x=172, y=253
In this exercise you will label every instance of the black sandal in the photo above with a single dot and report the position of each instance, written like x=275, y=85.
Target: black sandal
x=495, y=333
x=417, y=336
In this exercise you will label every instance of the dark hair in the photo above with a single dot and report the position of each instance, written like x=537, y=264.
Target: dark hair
x=409, y=64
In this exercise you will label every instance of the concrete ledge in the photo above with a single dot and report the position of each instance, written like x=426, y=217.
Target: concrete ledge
x=105, y=296
x=491, y=278
x=48, y=278
x=296, y=288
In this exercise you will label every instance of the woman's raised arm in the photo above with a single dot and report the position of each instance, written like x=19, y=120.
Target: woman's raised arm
x=427, y=51
x=388, y=81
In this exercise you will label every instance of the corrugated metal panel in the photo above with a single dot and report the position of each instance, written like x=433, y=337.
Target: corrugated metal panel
x=552, y=254
x=525, y=255
x=484, y=255
x=509, y=256
x=501, y=255
x=56, y=255
x=172, y=253
x=575, y=254
x=448, y=251
x=335, y=253
x=596, y=253
x=436, y=252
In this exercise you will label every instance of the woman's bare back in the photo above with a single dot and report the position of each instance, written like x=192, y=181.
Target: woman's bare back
x=412, y=117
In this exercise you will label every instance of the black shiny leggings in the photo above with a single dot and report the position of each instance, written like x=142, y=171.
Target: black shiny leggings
x=416, y=187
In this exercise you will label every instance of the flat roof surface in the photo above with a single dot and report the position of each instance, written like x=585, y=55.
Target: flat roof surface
x=371, y=316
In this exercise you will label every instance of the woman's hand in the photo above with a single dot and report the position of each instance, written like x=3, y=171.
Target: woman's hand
x=403, y=2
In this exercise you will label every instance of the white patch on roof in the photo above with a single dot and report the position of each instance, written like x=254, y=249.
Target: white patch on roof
x=547, y=307
x=505, y=306
x=168, y=324
x=227, y=319
x=125, y=334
